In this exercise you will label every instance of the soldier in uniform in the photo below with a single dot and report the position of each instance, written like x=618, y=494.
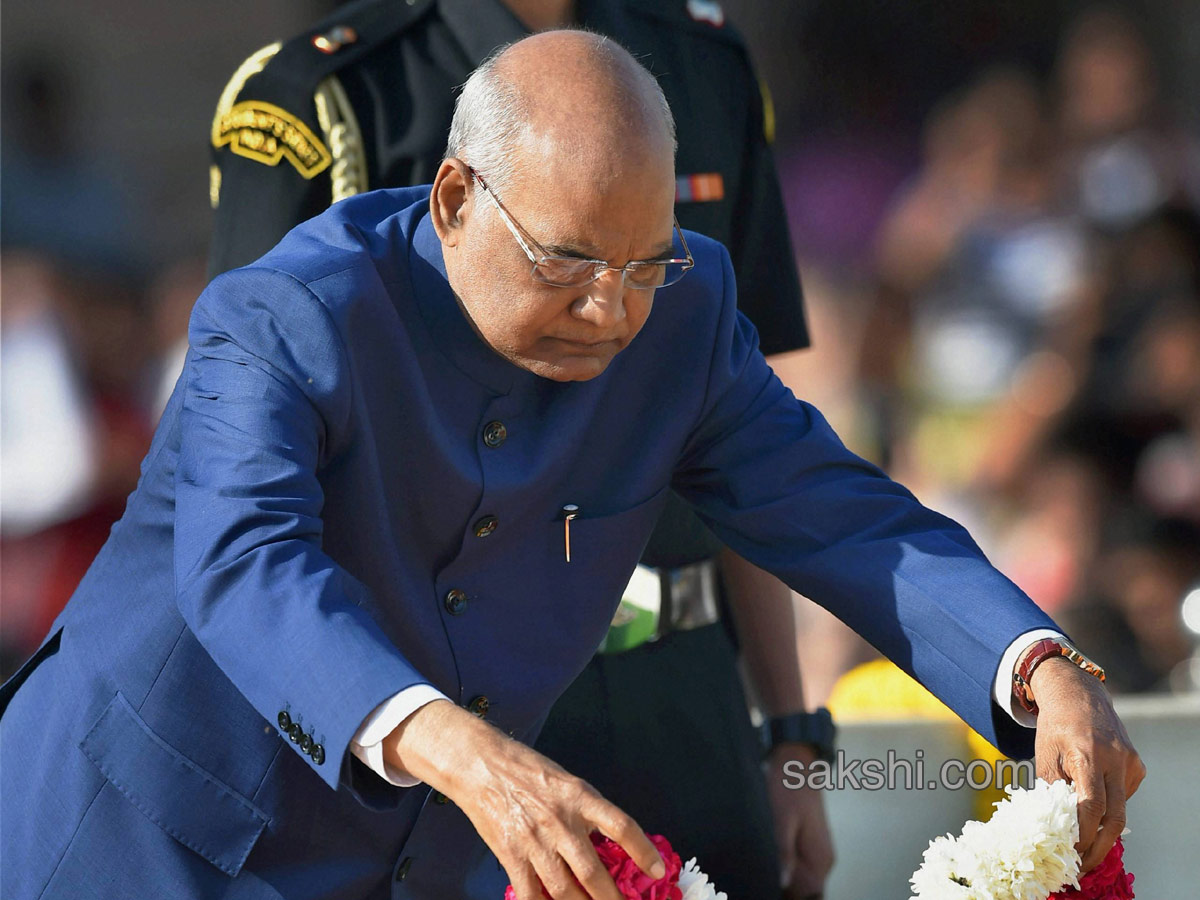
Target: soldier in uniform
x=363, y=100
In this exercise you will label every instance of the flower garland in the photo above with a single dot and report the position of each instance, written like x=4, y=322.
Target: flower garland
x=1026, y=851
x=682, y=881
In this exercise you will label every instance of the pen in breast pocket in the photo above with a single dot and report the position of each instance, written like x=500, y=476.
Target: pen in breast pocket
x=570, y=511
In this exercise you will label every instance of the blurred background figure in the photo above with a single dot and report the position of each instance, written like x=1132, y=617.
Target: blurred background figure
x=75, y=344
x=1021, y=300
x=1122, y=155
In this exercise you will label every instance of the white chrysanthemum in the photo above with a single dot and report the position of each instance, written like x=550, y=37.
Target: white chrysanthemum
x=695, y=886
x=1026, y=851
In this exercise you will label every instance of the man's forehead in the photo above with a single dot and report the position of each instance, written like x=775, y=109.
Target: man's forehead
x=597, y=224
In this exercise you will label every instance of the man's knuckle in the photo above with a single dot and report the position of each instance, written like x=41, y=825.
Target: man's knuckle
x=590, y=871
x=616, y=824
x=576, y=786
x=1079, y=758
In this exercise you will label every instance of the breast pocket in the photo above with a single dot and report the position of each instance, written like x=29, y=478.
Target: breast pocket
x=603, y=551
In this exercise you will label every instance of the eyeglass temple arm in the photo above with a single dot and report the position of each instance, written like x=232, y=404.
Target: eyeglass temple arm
x=508, y=220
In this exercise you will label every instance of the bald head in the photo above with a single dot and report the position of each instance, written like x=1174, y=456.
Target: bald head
x=568, y=100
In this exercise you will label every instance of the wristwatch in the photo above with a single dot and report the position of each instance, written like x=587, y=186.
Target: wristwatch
x=815, y=728
x=1035, y=655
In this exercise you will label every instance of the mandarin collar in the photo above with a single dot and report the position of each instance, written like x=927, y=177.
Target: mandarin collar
x=447, y=321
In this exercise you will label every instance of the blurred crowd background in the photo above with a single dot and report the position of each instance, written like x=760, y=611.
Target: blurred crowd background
x=995, y=211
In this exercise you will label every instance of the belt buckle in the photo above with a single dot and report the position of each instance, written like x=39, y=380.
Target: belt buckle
x=693, y=596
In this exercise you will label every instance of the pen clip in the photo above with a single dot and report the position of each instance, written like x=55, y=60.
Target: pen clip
x=569, y=512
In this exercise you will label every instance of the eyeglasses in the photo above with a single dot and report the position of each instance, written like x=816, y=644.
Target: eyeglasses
x=572, y=271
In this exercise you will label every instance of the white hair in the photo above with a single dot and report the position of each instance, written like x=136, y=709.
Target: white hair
x=491, y=116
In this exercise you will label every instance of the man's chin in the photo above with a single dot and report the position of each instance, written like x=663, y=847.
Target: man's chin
x=569, y=368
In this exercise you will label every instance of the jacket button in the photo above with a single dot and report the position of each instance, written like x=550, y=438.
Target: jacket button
x=284, y=720
x=486, y=526
x=494, y=434
x=456, y=602
x=306, y=742
x=317, y=754
x=479, y=706
x=402, y=869
x=295, y=732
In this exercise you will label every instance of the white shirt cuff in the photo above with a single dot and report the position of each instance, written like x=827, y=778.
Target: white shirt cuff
x=1003, y=688
x=367, y=743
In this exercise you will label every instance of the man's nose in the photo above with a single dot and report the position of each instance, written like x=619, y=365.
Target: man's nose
x=603, y=303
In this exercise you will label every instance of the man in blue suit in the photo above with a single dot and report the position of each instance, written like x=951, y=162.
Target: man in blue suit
x=414, y=455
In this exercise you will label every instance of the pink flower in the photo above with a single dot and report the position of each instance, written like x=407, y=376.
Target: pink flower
x=1108, y=881
x=633, y=883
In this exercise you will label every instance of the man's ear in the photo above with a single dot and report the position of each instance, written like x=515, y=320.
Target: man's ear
x=449, y=201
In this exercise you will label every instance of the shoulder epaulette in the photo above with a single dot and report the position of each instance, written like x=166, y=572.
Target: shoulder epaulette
x=339, y=40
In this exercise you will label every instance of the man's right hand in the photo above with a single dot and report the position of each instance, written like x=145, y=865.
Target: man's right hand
x=533, y=814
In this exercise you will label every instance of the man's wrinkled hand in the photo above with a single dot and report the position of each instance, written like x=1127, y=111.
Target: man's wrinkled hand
x=801, y=829
x=1080, y=738
x=533, y=814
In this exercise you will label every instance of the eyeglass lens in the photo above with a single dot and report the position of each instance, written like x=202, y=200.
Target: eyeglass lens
x=564, y=272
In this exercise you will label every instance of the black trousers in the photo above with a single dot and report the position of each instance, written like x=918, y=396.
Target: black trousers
x=663, y=732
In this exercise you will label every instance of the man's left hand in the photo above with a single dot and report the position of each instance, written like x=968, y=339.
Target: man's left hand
x=1080, y=738
x=801, y=830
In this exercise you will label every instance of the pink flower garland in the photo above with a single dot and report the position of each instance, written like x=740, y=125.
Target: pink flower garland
x=1108, y=881
x=633, y=883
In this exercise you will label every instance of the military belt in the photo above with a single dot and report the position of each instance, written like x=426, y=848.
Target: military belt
x=657, y=602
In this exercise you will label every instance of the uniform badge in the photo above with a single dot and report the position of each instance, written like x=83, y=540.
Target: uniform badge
x=702, y=188
x=706, y=11
x=266, y=133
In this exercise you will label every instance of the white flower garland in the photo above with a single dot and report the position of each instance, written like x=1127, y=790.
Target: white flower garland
x=1026, y=851
x=695, y=886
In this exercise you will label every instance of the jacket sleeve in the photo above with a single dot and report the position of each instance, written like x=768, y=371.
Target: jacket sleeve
x=266, y=405
x=774, y=482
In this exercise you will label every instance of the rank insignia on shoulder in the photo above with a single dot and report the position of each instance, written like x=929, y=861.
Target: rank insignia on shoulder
x=706, y=187
x=335, y=39
x=266, y=133
x=706, y=11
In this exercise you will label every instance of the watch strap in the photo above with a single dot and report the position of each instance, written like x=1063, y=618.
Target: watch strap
x=814, y=728
x=1038, y=653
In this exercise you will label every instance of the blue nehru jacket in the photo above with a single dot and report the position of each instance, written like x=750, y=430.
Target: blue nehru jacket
x=350, y=494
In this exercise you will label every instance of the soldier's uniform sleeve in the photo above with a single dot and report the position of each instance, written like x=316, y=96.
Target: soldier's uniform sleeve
x=760, y=244
x=262, y=185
